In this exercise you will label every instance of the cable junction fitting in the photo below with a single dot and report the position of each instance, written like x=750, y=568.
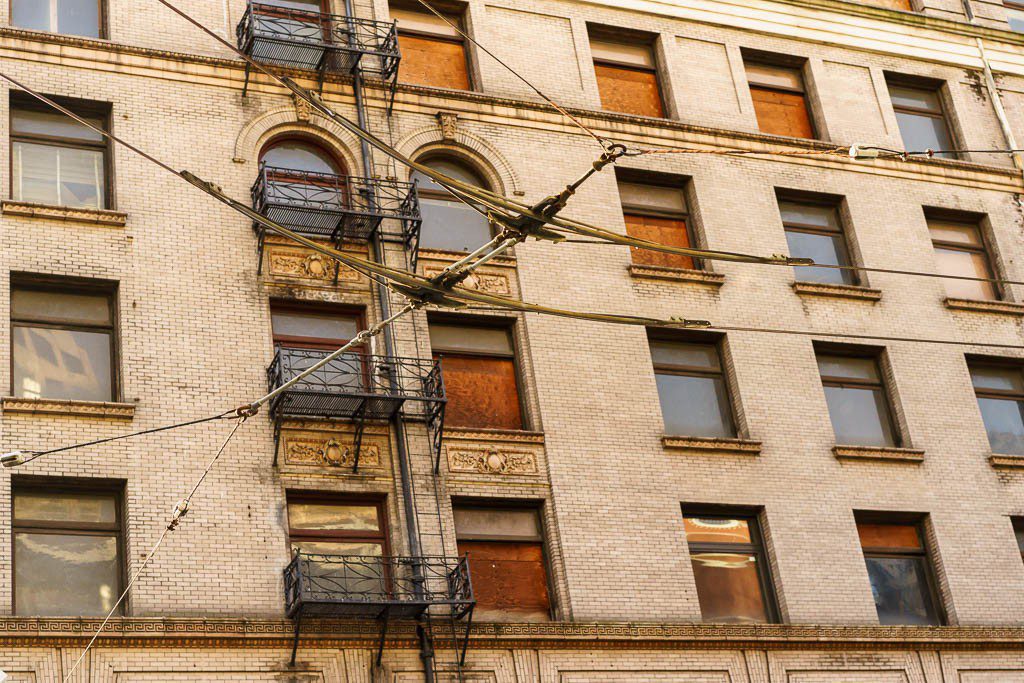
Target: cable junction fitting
x=14, y=458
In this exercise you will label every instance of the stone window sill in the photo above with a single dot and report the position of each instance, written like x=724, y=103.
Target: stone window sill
x=502, y=435
x=113, y=219
x=837, y=291
x=710, y=445
x=908, y=455
x=700, y=277
x=1005, y=461
x=53, y=406
x=508, y=259
x=982, y=306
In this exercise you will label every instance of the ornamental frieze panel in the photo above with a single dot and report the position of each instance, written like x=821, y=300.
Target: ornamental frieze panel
x=288, y=261
x=498, y=454
x=488, y=282
x=335, y=448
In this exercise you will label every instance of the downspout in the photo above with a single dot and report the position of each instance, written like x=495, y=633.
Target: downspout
x=397, y=425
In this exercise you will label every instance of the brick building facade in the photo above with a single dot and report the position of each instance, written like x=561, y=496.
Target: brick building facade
x=644, y=505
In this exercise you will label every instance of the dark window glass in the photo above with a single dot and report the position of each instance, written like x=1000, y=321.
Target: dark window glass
x=56, y=160
x=730, y=568
x=857, y=401
x=1018, y=531
x=900, y=572
x=448, y=223
x=1000, y=392
x=67, y=558
x=480, y=377
x=657, y=213
x=921, y=118
x=960, y=250
x=62, y=344
x=692, y=389
x=1015, y=15
x=815, y=231
x=72, y=17
x=779, y=100
x=506, y=560
x=433, y=52
x=627, y=77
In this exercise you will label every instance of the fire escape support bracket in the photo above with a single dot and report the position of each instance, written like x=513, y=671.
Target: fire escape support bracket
x=384, y=617
x=359, y=417
x=295, y=640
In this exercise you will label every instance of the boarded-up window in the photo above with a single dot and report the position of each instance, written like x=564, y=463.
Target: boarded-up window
x=506, y=561
x=780, y=100
x=627, y=77
x=433, y=52
x=960, y=250
x=480, y=378
x=656, y=213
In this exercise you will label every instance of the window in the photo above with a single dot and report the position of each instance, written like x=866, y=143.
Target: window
x=433, y=53
x=656, y=213
x=313, y=327
x=480, y=377
x=780, y=101
x=297, y=154
x=900, y=570
x=72, y=17
x=67, y=550
x=814, y=230
x=692, y=388
x=448, y=224
x=62, y=341
x=904, y=5
x=1018, y=531
x=729, y=567
x=56, y=160
x=960, y=250
x=1014, y=15
x=1000, y=392
x=505, y=546
x=324, y=527
x=857, y=401
x=921, y=117
x=627, y=75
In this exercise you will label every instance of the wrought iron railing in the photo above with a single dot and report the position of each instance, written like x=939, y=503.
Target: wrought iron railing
x=383, y=380
x=315, y=40
x=362, y=585
x=336, y=207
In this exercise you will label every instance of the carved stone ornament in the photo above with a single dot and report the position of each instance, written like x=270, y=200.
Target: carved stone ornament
x=286, y=261
x=481, y=281
x=491, y=460
x=329, y=452
x=449, y=124
x=303, y=111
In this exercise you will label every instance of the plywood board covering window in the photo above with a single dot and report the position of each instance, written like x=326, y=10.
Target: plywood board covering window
x=657, y=213
x=433, y=53
x=780, y=100
x=627, y=78
x=480, y=376
x=904, y=5
x=506, y=560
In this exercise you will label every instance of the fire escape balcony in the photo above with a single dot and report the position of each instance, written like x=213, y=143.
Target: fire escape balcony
x=359, y=387
x=375, y=587
x=337, y=208
x=325, y=43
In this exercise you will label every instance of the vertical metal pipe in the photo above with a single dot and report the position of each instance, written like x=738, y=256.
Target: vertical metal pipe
x=397, y=425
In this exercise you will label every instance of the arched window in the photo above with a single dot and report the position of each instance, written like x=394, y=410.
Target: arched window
x=448, y=223
x=296, y=154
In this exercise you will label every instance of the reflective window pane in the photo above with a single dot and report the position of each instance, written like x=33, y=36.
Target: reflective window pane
x=900, y=589
x=662, y=198
x=1015, y=18
x=52, y=123
x=425, y=22
x=767, y=75
x=67, y=364
x=819, y=215
x=304, y=5
x=916, y=98
x=966, y=234
x=497, y=340
x=497, y=523
x=43, y=305
x=1004, y=423
x=965, y=264
x=65, y=507
x=331, y=516
x=848, y=367
x=997, y=378
x=78, y=17
x=669, y=353
x=695, y=406
x=452, y=226
x=452, y=169
x=826, y=249
x=31, y=14
x=315, y=325
x=58, y=176
x=296, y=155
x=634, y=54
x=716, y=530
x=921, y=132
x=728, y=587
x=860, y=417
x=65, y=574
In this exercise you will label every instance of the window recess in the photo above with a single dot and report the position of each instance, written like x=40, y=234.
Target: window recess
x=627, y=73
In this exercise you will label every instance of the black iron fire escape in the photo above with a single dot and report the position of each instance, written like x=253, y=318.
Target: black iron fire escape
x=356, y=386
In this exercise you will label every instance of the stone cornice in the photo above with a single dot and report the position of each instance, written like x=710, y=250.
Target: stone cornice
x=277, y=633
x=495, y=435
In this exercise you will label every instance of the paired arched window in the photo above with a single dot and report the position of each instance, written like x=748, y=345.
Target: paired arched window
x=448, y=223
